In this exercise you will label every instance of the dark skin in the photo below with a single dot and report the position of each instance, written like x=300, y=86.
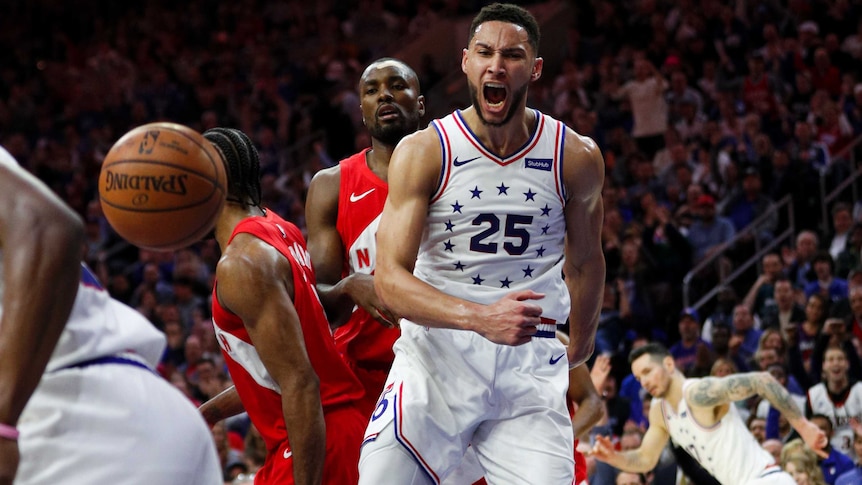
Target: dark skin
x=255, y=282
x=391, y=107
x=41, y=241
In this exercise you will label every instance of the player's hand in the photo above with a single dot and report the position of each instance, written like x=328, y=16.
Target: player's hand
x=8, y=460
x=512, y=319
x=600, y=371
x=814, y=437
x=603, y=449
x=360, y=287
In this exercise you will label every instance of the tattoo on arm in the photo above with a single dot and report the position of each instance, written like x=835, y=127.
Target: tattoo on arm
x=714, y=391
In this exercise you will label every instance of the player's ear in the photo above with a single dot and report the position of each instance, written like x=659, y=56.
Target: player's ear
x=464, y=60
x=537, y=69
x=421, y=103
x=668, y=363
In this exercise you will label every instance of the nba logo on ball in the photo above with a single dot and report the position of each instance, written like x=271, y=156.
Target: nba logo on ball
x=162, y=186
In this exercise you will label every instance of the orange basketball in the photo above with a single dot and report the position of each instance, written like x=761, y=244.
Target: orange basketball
x=162, y=186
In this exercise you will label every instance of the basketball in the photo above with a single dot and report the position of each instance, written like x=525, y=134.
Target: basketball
x=162, y=186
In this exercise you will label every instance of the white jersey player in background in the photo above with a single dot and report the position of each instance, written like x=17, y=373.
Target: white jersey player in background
x=80, y=402
x=700, y=417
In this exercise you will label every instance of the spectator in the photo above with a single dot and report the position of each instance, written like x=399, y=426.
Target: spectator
x=798, y=260
x=842, y=222
x=745, y=338
x=648, y=106
x=691, y=354
x=782, y=312
x=708, y=236
x=805, y=336
x=851, y=256
x=853, y=476
x=826, y=285
x=837, y=463
x=837, y=397
x=762, y=292
x=749, y=204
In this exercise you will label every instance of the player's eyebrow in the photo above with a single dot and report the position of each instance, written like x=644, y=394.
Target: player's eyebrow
x=504, y=50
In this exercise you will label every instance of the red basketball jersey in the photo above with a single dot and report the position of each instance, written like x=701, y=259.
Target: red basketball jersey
x=366, y=343
x=339, y=387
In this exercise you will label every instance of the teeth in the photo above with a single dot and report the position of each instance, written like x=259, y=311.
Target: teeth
x=495, y=105
x=495, y=85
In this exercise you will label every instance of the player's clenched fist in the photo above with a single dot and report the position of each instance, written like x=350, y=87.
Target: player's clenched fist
x=512, y=319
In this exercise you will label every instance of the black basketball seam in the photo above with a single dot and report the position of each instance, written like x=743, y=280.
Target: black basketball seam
x=204, y=149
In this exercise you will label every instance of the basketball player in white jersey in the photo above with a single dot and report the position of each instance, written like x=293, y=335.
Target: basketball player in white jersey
x=700, y=416
x=99, y=413
x=487, y=208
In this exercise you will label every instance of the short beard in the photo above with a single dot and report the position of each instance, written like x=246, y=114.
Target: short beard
x=391, y=134
x=517, y=98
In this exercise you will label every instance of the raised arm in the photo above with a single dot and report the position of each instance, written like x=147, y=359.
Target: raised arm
x=41, y=241
x=712, y=392
x=642, y=459
x=252, y=267
x=414, y=170
x=327, y=255
x=584, y=268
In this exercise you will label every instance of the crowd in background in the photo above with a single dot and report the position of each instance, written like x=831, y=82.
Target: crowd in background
x=707, y=113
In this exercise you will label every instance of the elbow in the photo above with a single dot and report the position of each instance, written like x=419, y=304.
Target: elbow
x=384, y=283
x=301, y=384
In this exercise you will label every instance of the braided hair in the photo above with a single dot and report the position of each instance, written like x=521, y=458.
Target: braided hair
x=242, y=163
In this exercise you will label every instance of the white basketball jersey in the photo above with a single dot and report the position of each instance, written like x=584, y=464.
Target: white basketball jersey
x=727, y=450
x=99, y=326
x=496, y=225
x=839, y=413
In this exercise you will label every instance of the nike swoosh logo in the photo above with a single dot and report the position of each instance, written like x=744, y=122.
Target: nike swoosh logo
x=288, y=454
x=355, y=198
x=458, y=163
x=554, y=361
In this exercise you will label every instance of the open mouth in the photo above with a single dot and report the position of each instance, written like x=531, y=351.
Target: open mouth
x=388, y=112
x=494, y=94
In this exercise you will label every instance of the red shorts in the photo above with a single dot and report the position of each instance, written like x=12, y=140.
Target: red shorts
x=373, y=382
x=345, y=426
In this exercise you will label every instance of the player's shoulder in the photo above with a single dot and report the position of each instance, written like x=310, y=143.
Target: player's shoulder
x=581, y=147
x=327, y=176
x=249, y=258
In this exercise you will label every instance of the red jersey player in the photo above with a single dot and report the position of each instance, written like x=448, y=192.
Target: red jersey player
x=342, y=212
x=298, y=391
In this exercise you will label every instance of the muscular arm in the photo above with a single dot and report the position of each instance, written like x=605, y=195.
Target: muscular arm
x=584, y=267
x=711, y=392
x=42, y=243
x=256, y=283
x=327, y=255
x=414, y=170
x=642, y=459
x=224, y=405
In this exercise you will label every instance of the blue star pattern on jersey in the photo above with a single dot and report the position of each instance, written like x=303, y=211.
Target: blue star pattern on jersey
x=519, y=226
x=482, y=239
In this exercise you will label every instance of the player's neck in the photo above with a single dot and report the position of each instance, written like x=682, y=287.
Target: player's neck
x=503, y=139
x=674, y=389
x=377, y=159
x=232, y=214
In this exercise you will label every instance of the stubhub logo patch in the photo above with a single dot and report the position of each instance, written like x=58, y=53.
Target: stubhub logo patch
x=539, y=163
